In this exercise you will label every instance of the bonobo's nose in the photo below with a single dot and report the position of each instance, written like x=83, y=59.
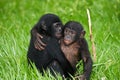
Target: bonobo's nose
x=59, y=29
x=67, y=37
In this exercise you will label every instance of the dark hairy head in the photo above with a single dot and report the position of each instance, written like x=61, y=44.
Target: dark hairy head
x=73, y=31
x=47, y=20
x=51, y=24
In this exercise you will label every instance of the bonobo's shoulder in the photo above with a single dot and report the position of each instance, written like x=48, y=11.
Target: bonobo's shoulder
x=83, y=43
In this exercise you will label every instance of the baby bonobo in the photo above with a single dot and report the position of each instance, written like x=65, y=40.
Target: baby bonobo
x=50, y=27
x=75, y=47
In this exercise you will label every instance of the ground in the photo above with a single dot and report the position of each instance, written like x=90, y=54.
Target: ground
x=18, y=17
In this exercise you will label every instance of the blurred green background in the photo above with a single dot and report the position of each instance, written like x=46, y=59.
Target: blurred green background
x=17, y=17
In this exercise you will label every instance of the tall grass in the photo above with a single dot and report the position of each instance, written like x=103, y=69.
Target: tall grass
x=18, y=17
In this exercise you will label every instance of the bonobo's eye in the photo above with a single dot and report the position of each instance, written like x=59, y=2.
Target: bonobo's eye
x=57, y=24
x=54, y=24
x=67, y=30
x=73, y=32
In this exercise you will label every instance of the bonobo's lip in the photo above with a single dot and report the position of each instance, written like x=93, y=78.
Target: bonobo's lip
x=66, y=41
x=58, y=35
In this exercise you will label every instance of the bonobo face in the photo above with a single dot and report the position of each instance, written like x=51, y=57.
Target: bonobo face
x=69, y=36
x=73, y=32
x=57, y=29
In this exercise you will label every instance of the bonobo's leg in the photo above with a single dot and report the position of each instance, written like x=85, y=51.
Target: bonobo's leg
x=56, y=68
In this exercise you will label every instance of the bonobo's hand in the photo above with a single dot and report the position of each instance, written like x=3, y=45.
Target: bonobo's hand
x=38, y=42
x=80, y=77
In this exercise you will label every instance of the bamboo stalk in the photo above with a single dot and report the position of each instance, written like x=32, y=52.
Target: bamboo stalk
x=91, y=36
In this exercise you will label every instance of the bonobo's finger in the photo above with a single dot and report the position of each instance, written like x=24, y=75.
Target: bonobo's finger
x=39, y=36
x=42, y=48
x=41, y=43
x=82, y=77
x=39, y=40
x=35, y=44
x=38, y=46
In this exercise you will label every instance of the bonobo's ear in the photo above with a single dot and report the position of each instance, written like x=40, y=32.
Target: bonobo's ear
x=82, y=34
x=43, y=26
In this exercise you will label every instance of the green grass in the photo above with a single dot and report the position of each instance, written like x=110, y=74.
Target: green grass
x=17, y=17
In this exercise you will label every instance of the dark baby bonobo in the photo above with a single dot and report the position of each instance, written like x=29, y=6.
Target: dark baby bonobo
x=42, y=27
x=50, y=27
x=75, y=47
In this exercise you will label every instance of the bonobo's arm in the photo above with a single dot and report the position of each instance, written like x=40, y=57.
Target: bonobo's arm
x=87, y=61
x=37, y=38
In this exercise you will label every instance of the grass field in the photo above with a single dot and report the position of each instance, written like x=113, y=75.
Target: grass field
x=17, y=17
